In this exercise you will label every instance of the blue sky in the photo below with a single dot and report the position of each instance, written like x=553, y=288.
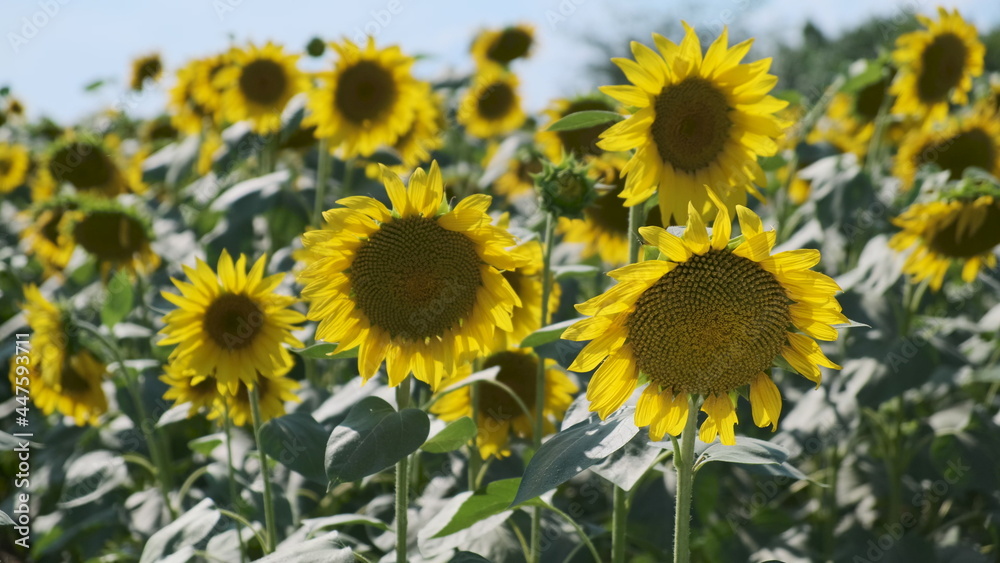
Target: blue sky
x=52, y=48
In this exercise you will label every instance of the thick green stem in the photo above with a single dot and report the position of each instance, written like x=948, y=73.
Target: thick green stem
x=402, y=482
x=269, y=520
x=322, y=179
x=234, y=497
x=548, y=241
x=619, y=517
x=684, y=463
x=163, y=475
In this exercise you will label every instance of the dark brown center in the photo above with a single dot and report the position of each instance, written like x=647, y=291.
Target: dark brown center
x=83, y=165
x=365, y=92
x=512, y=43
x=692, y=124
x=970, y=242
x=263, y=82
x=943, y=64
x=416, y=279
x=111, y=236
x=517, y=371
x=710, y=325
x=233, y=321
x=972, y=148
x=495, y=101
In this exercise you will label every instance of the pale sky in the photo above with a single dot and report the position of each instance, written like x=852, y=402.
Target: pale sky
x=52, y=48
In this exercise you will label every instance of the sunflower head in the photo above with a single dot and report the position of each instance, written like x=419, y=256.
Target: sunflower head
x=580, y=143
x=960, y=228
x=14, y=164
x=14, y=107
x=518, y=179
x=46, y=238
x=500, y=414
x=88, y=165
x=707, y=318
x=503, y=46
x=526, y=281
x=257, y=83
x=231, y=323
x=418, y=285
x=188, y=385
x=700, y=120
x=147, y=68
x=492, y=106
x=962, y=143
x=936, y=65
x=566, y=189
x=115, y=235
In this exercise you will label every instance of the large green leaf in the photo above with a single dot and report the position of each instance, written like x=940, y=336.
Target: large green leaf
x=452, y=437
x=91, y=476
x=189, y=530
x=585, y=119
x=373, y=437
x=575, y=449
x=751, y=451
x=119, y=301
x=292, y=440
x=547, y=334
x=328, y=548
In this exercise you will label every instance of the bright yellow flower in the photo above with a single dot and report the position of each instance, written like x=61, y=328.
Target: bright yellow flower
x=499, y=47
x=14, y=163
x=957, y=145
x=257, y=83
x=492, y=106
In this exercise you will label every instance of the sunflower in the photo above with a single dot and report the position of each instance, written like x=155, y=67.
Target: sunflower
x=273, y=391
x=516, y=181
x=369, y=100
x=849, y=122
x=707, y=318
x=603, y=231
x=209, y=84
x=188, y=114
x=188, y=385
x=116, y=236
x=418, y=286
x=257, y=84
x=492, y=106
x=578, y=142
x=211, y=142
x=14, y=164
x=937, y=65
x=960, y=144
x=494, y=47
x=526, y=280
x=699, y=121
x=957, y=229
x=66, y=381
x=414, y=146
x=89, y=165
x=231, y=323
x=44, y=238
x=14, y=107
x=146, y=68
x=499, y=413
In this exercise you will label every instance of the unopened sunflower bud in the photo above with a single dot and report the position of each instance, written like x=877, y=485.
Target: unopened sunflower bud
x=565, y=188
x=316, y=47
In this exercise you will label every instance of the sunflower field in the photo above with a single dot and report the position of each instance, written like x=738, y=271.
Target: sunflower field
x=326, y=307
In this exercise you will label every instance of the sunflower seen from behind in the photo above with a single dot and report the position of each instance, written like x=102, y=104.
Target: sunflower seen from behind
x=257, y=84
x=699, y=120
x=370, y=99
x=499, y=415
x=492, y=106
x=708, y=317
x=500, y=47
x=955, y=146
x=960, y=228
x=88, y=164
x=936, y=66
x=418, y=286
x=230, y=322
x=116, y=236
x=14, y=164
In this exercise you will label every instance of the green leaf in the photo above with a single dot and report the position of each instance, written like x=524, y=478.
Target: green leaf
x=291, y=440
x=91, y=86
x=373, y=437
x=547, y=334
x=455, y=435
x=750, y=451
x=119, y=301
x=5, y=520
x=496, y=499
x=191, y=529
x=873, y=72
x=205, y=444
x=585, y=119
x=575, y=271
x=323, y=351
x=328, y=548
x=575, y=449
x=313, y=524
x=91, y=476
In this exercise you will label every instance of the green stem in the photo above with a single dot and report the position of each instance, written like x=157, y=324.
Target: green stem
x=234, y=496
x=619, y=517
x=548, y=241
x=269, y=520
x=322, y=179
x=872, y=160
x=163, y=476
x=402, y=482
x=348, y=180
x=583, y=535
x=241, y=520
x=684, y=463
